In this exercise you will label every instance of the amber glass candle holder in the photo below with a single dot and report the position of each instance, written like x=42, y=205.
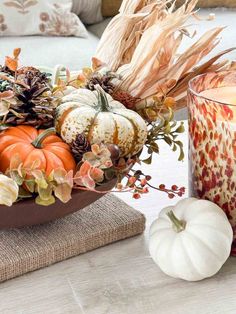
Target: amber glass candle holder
x=212, y=144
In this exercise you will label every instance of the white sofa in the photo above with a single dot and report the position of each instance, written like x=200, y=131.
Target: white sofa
x=73, y=52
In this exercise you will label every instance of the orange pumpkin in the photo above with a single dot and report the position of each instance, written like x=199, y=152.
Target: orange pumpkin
x=31, y=145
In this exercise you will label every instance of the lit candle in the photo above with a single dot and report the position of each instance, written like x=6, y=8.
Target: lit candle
x=212, y=140
x=226, y=95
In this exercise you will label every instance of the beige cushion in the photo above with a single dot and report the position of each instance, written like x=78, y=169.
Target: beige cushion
x=111, y=7
x=89, y=11
x=213, y=3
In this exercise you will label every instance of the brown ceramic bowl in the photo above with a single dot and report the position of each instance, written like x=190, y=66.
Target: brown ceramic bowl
x=27, y=213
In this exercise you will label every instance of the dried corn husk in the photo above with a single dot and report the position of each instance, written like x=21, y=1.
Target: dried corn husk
x=141, y=44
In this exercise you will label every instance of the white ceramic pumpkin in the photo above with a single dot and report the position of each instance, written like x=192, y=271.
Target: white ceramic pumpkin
x=102, y=119
x=191, y=240
x=8, y=190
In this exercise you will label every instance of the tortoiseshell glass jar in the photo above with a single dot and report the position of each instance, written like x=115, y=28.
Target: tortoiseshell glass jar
x=212, y=144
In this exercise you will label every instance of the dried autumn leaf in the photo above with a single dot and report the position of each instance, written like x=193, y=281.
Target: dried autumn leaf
x=59, y=175
x=4, y=108
x=30, y=185
x=35, y=165
x=97, y=175
x=6, y=99
x=15, y=162
x=70, y=178
x=16, y=177
x=99, y=156
x=11, y=63
x=96, y=64
x=16, y=52
x=63, y=192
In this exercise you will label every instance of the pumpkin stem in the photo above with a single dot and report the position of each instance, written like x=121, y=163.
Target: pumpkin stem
x=37, y=143
x=102, y=99
x=178, y=225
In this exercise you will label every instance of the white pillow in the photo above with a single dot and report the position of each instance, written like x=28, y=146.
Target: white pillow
x=39, y=17
x=90, y=11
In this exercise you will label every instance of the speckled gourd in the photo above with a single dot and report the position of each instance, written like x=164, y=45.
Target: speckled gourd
x=102, y=119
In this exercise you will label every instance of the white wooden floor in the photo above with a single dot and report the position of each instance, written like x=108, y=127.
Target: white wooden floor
x=121, y=278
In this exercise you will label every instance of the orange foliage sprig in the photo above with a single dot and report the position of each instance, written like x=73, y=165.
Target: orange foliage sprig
x=13, y=62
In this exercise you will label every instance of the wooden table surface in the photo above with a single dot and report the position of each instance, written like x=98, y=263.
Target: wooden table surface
x=122, y=278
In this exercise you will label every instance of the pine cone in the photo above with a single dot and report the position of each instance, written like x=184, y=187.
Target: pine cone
x=105, y=81
x=25, y=70
x=126, y=99
x=80, y=146
x=35, y=105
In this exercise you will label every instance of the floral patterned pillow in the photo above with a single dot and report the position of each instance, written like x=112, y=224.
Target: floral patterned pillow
x=39, y=17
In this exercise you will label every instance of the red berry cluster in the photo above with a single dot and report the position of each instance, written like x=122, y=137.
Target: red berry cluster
x=139, y=184
x=173, y=191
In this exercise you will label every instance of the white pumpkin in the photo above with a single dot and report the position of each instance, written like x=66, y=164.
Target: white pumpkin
x=8, y=190
x=191, y=240
x=102, y=119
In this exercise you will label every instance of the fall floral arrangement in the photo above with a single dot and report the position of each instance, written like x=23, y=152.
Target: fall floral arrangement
x=59, y=133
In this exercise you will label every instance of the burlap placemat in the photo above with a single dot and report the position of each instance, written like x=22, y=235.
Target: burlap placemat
x=106, y=221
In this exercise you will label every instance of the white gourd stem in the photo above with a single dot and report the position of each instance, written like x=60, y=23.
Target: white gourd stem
x=102, y=99
x=178, y=225
x=57, y=73
x=37, y=143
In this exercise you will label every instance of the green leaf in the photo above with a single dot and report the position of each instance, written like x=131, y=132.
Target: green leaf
x=43, y=202
x=16, y=177
x=181, y=156
x=42, y=183
x=168, y=140
x=174, y=123
x=4, y=126
x=180, y=129
x=148, y=161
x=179, y=143
x=45, y=193
x=30, y=185
x=24, y=194
x=174, y=148
x=155, y=147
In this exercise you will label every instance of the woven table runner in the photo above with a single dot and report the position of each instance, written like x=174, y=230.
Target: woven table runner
x=105, y=221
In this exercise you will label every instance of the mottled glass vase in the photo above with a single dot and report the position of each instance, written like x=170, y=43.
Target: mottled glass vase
x=212, y=144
